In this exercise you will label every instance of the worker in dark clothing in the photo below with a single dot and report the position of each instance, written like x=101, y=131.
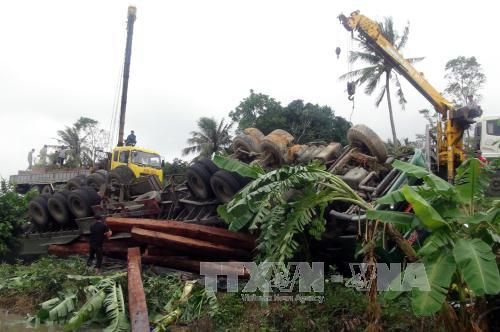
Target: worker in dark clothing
x=98, y=232
x=130, y=141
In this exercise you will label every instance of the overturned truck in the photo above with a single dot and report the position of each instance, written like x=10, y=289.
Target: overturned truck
x=67, y=215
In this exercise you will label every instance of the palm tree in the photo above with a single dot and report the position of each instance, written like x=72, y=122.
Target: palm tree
x=209, y=139
x=378, y=66
x=76, y=138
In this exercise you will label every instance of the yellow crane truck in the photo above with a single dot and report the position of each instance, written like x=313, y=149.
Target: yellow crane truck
x=449, y=149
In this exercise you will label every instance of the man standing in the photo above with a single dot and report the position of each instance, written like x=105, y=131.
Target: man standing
x=131, y=140
x=30, y=158
x=43, y=156
x=62, y=155
x=98, y=232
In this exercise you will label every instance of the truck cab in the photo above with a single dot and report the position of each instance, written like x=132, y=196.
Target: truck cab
x=487, y=137
x=140, y=160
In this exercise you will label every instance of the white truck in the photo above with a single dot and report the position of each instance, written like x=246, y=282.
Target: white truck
x=487, y=142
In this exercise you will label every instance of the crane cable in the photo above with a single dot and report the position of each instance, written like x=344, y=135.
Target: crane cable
x=114, y=113
x=351, y=86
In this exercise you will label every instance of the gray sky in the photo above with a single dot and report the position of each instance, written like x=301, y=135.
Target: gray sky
x=60, y=60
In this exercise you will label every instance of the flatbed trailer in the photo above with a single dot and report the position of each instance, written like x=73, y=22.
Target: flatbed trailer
x=45, y=180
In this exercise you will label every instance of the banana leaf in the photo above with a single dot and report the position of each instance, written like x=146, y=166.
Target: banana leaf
x=477, y=263
x=439, y=274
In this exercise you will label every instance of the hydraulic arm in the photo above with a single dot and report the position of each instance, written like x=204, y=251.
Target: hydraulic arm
x=452, y=122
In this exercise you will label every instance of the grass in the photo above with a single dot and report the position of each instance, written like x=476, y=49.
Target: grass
x=24, y=286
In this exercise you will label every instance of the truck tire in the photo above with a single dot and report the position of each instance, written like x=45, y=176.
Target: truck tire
x=225, y=185
x=58, y=208
x=80, y=202
x=39, y=212
x=47, y=189
x=493, y=189
x=246, y=143
x=198, y=181
x=363, y=137
x=123, y=174
x=209, y=165
x=103, y=172
x=76, y=182
x=95, y=180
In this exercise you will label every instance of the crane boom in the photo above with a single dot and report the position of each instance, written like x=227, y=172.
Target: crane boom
x=126, y=70
x=452, y=122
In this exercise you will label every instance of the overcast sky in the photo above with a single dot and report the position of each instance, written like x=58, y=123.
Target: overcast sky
x=60, y=60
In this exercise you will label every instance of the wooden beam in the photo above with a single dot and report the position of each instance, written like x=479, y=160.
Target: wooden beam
x=188, y=245
x=138, y=309
x=200, y=232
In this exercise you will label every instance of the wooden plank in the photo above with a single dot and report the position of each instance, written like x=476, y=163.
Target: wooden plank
x=117, y=248
x=190, y=265
x=188, y=245
x=200, y=232
x=138, y=309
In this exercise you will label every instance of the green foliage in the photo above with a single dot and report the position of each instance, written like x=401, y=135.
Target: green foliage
x=307, y=122
x=211, y=138
x=477, y=264
x=56, y=309
x=465, y=78
x=41, y=279
x=104, y=299
x=232, y=165
x=169, y=299
x=13, y=210
x=460, y=253
x=283, y=204
x=83, y=138
x=176, y=167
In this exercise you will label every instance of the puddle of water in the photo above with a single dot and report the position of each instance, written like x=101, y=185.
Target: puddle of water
x=17, y=323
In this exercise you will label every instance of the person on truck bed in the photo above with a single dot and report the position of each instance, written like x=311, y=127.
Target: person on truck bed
x=30, y=158
x=43, y=156
x=62, y=155
x=98, y=232
x=131, y=140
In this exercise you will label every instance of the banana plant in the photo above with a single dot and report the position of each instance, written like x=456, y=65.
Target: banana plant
x=282, y=204
x=463, y=232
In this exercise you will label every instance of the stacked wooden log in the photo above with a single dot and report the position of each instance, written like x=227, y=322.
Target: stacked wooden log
x=172, y=244
x=183, y=246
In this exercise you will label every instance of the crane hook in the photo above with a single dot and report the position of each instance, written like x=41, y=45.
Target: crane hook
x=337, y=51
x=351, y=90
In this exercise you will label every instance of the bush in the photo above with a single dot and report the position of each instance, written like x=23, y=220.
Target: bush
x=13, y=211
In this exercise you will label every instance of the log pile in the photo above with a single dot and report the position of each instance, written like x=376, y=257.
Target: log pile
x=172, y=244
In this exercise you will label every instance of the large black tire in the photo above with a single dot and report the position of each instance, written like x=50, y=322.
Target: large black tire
x=76, y=182
x=103, y=172
x=80, y=202
x=494, y=186
x=96, y=180
x=47, y=189
x=225, y=185
x=209, y=165
x=366, y=139
x=39, y=212
x=58, y=208
x=123, y=174
x=198, y=181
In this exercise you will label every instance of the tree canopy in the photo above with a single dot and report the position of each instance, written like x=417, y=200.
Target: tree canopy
x=307, y=122
x=210, y=137
x=373, y=74
x=83, y=139
x=465, y=78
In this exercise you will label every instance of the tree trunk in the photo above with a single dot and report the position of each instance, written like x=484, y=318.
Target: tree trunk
x=388, y=93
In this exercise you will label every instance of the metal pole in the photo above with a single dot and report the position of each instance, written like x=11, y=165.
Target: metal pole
x=126, y=69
